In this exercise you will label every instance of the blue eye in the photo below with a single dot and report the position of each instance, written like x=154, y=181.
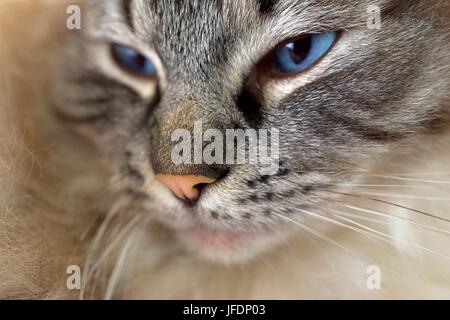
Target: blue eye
x=296, y=56
x=133, y=61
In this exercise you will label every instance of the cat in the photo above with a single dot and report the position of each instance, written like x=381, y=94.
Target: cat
x=358, y=206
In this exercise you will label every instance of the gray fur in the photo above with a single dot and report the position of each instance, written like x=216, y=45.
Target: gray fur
x=388, y=85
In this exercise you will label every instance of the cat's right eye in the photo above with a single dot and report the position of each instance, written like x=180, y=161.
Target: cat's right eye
x=133, y=62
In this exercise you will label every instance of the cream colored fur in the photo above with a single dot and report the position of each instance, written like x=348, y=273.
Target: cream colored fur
x=40, y=220
x=51, y=184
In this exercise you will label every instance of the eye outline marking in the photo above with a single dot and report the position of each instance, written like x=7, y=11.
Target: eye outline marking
x=119, y=63
x=266, y=71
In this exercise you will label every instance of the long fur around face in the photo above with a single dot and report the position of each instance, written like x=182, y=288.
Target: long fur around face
x=44, y=181
x=59, y=207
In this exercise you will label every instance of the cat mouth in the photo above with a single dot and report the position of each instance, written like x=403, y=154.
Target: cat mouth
x=225, y=245
x=217, y=242
x=214, y=241
x=208, y=237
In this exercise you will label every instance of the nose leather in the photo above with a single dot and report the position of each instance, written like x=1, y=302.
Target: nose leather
x=185, y=187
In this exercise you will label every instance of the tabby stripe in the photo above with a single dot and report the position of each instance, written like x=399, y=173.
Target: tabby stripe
x=363, y=131
x=88, y=118
x=126, y=7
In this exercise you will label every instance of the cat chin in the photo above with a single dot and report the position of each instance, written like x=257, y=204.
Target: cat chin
x=224, y=247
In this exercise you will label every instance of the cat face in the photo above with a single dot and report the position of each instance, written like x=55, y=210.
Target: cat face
x=339, y=93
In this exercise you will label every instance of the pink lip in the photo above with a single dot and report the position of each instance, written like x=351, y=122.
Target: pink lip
x=221, y=239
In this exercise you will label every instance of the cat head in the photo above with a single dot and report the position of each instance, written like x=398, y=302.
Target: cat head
x=331, y=90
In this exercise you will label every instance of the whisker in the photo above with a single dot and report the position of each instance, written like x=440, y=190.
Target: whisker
x=129, y=226
x=88, y=269
x=396, y=239
x=310, y=230
x=415, y=174
x=402, y=196
x=389, y=203
x=356, y=185
x=338, y=223
x=377, y=213
x=375, y=221
x=362, y=232
x=409, y=179
x=360, y=217
x=118, y=267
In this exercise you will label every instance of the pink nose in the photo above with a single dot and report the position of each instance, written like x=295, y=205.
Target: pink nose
x=186, y=188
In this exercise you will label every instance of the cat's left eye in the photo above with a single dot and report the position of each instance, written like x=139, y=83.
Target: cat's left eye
x=298, y=55
x=133, y=61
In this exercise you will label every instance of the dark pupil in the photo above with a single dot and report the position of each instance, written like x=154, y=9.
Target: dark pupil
x=139, y=60
x=299, y=49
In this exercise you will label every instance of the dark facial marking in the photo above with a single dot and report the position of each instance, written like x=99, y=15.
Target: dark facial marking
x=269, y=196
x=138, y=195
x=282, y=172
x=250, y=183
x=98, y=80
x=242, y=200
x=247, y=215
x=287, y=194
x=266, y=7
x=133, y=172
x=226, y=216
x=307, y=189
x=214, y=215
x=62, y=116
x=363, y=131
x=147, y=121
x=126, y=6
x=250, y=107
x=94, y=100
x=263, y=179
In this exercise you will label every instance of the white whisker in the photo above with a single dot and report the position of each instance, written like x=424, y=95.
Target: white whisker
x=409, y=179
x=116, y=241
x=414, y=174
x=384, y=186
x=362, y=232
x=90, y=267
x=395, y=239
x=310, y=230
x=118, y=267
x=402, y=196
x=389, y=203
x=338, y=223
x=377, y=213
